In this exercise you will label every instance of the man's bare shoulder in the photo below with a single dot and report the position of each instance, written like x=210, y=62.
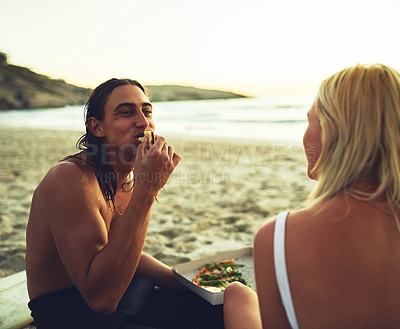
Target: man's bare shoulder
x=69, y=173
x=68, y=180
x=69, y=193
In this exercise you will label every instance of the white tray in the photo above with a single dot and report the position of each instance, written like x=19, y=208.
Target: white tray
x=185, y=272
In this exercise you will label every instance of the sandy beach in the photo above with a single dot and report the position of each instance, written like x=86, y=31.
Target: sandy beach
x=216, y=200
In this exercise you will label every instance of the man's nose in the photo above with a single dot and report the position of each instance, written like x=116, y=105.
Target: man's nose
x=141, y=120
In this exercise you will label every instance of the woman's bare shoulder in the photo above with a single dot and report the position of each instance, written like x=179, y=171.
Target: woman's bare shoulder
x=331, y=209
x=305, y=222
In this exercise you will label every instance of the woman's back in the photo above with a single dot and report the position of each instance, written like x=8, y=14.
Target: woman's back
x=343, y=263
x=342, y=254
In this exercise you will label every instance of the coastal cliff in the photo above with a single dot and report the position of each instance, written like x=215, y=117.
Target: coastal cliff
x=21, y=88
x=165, y=93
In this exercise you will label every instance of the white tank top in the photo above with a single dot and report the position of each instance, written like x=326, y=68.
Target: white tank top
x=280, y=268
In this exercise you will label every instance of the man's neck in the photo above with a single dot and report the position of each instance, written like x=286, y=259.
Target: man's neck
x=123, y=168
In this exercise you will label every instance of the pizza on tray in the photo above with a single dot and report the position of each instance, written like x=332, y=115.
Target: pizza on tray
x=215, y=277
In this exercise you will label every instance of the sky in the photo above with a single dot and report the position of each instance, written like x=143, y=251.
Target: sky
x=252, y=47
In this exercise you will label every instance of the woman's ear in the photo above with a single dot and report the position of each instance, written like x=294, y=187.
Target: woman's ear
x=95, y=127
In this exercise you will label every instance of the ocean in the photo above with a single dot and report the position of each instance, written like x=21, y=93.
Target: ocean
x=280, y=118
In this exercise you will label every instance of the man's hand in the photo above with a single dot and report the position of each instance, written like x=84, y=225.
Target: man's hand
x=154, y=165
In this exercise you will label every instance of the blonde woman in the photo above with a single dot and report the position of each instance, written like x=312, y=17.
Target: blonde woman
x=336, y=263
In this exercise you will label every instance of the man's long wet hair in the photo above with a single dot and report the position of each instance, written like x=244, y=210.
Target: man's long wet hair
x=94, y=146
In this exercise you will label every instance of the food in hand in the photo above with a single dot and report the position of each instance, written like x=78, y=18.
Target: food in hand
x=150, y=135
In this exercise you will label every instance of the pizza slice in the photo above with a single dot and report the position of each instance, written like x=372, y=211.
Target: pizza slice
x=149, y=134
x=215, y=277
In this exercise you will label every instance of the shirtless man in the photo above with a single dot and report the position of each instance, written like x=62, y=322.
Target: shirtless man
x=89, y=215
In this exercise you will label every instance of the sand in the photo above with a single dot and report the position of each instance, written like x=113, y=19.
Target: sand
x=217, y=198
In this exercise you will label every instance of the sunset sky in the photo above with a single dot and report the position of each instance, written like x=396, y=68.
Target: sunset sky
x=251, y=47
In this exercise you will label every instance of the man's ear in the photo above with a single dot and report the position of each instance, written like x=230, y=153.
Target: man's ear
x=95, y=127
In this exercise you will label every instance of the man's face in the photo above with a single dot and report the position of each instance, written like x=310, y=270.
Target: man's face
x=127, y=114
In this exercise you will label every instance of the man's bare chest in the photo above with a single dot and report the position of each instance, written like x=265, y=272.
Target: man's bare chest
x=113, y=212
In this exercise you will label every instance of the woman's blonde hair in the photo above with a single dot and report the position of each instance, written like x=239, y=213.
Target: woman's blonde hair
x=359, y=112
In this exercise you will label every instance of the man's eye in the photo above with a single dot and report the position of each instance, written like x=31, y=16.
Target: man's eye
x=147, y=112
x=126, y=112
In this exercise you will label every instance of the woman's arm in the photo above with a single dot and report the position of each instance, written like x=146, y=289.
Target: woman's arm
x=241, y=309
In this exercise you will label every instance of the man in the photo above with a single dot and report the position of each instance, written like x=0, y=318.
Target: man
x=89, y=218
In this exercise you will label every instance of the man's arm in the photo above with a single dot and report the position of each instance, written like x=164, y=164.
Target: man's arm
x=102, y=266
x=160, y=272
